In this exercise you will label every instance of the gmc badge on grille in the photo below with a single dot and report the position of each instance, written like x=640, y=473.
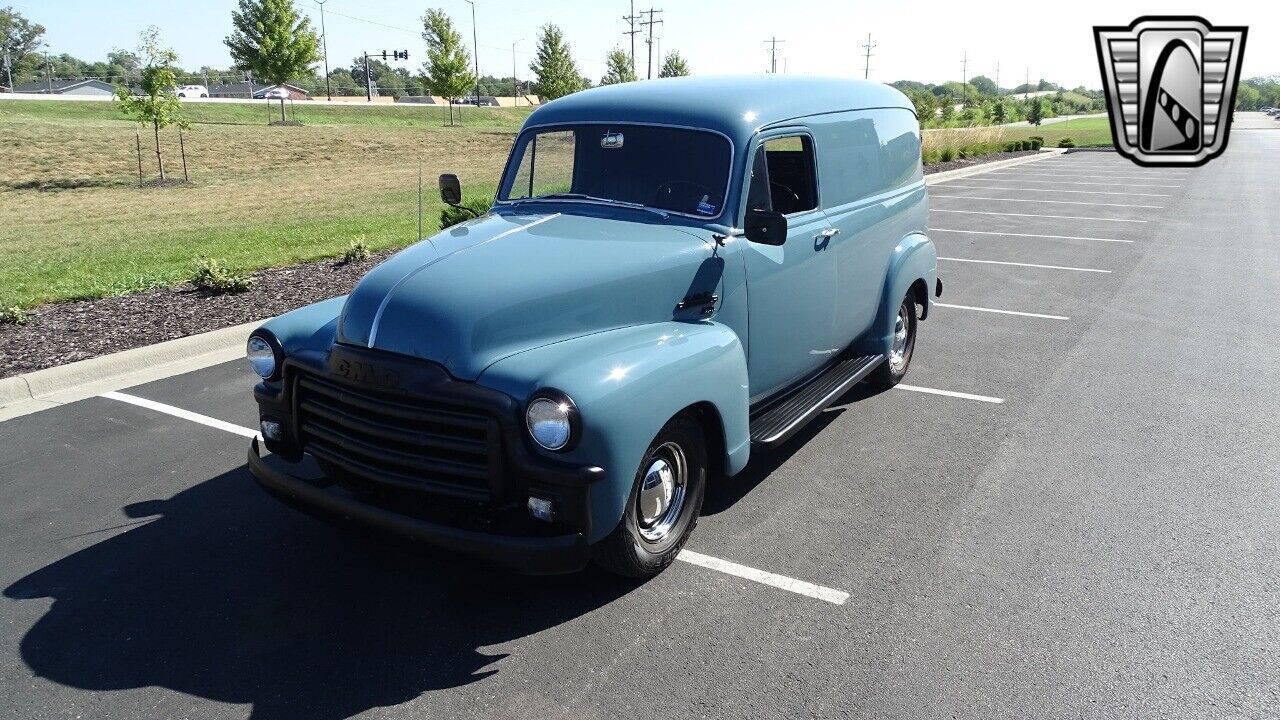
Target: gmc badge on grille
x=364, y=372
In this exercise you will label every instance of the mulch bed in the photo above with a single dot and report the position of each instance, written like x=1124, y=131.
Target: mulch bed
x=967, y=162
x=66, y=332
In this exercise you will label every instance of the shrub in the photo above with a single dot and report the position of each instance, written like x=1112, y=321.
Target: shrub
x=357, y=250
x=1036, y=138
x=450, y=216
x=1066, y=143
x=1036, y=144
x=931, y=157
x=1012, y=146
x=214, y=276
x=13, y=316
x=948, y=154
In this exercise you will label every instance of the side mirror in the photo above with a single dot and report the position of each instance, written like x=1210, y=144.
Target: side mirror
x=766, y=227
x=450, y=189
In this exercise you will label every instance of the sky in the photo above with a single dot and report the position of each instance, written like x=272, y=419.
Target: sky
x=913, y=40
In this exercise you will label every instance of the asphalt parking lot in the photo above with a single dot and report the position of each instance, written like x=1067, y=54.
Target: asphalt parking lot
x=1070, y=512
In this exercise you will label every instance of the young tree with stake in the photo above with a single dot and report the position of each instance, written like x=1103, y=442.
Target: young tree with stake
x=273, y=41
x=158, y=106
x=447, y=70
x=674, y=66
x=618, y=68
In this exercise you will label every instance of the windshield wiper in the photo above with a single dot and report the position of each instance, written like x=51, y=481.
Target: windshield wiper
x=608, y=201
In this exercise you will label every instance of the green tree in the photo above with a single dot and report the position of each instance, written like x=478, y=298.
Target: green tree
x=948, y=110
x=674, y=66
x=1248, y=97
x=273, y=41
x=1000, y=113
x=926, y=106
x=553, y=64
x=20, y=37
x=983, y=84
x=447, y=69
x=157, y=106
x=618, y=68
x=1035, y=113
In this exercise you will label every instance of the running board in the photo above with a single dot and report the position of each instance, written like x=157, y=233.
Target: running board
x=778, y=422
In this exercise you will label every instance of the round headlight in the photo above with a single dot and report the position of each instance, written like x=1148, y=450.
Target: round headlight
x=551, y=420
x=262, y=356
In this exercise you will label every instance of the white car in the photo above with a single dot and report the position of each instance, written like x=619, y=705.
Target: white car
x=193, y=91
x=276, y=93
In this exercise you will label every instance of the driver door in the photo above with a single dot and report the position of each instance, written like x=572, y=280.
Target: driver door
x=790, y=287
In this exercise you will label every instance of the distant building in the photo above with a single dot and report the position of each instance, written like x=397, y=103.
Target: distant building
x=67, y=87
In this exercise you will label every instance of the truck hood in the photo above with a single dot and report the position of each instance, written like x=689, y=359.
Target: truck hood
x=504, y=283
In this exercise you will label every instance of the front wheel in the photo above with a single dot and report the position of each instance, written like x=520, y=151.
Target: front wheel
x=664, y=503
x=894, y=367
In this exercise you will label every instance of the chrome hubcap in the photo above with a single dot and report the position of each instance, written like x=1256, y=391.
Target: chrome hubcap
x=662, y=490
x=901, y=336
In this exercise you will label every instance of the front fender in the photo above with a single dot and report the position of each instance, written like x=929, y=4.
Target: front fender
x=312, y=327
x=627, y=383
x=914, y=259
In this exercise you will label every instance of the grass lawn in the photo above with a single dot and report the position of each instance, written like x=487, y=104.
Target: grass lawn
x=74, y=223
x=1085, y=132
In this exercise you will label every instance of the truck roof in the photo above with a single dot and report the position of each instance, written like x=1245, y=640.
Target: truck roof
x=734, y=105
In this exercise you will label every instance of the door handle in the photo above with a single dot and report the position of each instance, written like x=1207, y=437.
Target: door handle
x=830, y=232
x=823, y=239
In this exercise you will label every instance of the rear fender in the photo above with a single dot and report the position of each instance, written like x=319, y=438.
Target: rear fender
x=914, y=259
x=627, y=383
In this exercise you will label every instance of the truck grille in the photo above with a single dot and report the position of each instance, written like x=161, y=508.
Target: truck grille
x=409, y=443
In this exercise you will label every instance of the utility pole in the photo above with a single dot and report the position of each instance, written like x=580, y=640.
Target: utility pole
x=649, y=41
x=475, y=43
x=773, y=53
x=515, y=83
x=48, y=73
x=866, y=69
x=368, y=83
x=1026, y=89
x=324, y=41
x=8, y=68
x=998, y=92
x=631, y=22
x=964, y=80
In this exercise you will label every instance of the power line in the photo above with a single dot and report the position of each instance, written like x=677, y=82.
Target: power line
x=773, y=53
x=649, y=41
x=866, y=69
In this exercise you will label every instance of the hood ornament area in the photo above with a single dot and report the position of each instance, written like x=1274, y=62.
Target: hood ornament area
x=1170, y=86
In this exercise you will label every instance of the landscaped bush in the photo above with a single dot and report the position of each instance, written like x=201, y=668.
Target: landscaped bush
x=450, y=215
x=1036, y=144
x=214, y=276
x=1066, y=143
x=1012, y=146
x=1036, y=139
x=13, y=316
x=931, y=157
x=948, y=154
x=357, y=250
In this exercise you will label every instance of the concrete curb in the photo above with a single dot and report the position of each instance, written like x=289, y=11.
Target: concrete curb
x=980, y=168
x=42, y=389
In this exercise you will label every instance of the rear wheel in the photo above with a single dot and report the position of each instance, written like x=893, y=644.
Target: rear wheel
x=894, y=368
x=664, y=503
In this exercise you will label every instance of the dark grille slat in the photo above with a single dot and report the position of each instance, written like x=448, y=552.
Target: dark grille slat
x=400, y=411
x=420, y=463
x=413, y=442
x=368, y=426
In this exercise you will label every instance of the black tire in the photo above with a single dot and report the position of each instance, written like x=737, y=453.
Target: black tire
x=890, y=373
x=627, y=551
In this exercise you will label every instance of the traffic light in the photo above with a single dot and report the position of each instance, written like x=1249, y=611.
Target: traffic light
x=401, y=54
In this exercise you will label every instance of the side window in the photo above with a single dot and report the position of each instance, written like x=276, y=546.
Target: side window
x=792, y=184
x=758, y=190
x=546, y=166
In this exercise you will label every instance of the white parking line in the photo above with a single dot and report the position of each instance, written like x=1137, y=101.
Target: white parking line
x=782, y=582
x=1100, y=176
x=1038, y=200
x=801, y=587
x=1002, y=312
x=180, y=413
x=1056, y=217
x=1056, y=190
x=1013, y=234
x=988, y=178
x=1030, y=265
x=950, y=393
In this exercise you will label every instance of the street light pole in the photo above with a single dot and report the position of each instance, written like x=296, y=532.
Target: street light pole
x=475, y=44
x=324, y=40
x=515, y=83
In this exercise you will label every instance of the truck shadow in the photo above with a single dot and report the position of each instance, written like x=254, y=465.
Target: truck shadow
x=229, y=596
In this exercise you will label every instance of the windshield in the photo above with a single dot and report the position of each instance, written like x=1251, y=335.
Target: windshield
x=670, y=169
